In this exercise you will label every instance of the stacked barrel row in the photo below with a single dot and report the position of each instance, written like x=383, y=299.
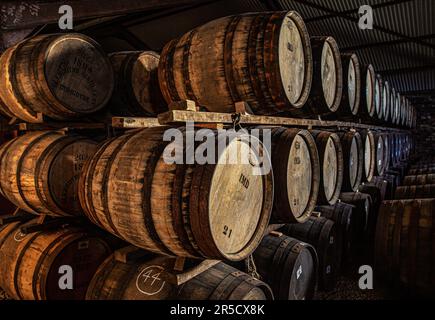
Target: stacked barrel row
x=265, y=59
x=406, y=230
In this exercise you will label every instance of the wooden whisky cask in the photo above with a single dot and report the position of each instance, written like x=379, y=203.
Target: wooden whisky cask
x=331, y=166
x=31, y=263
x=295, y=163
x=321, y=233
x=387, y=150
x=368, y=139
x=326, y=89
x=363, y=210
x=353, y=159
x=342, y=214
x=392, y=105
x=147, y=279
x=137, y=91
x=261, y=58
x=379, y=112
x=415, y=192
x=419, y=179
x=386, y=96
x=62, y=76
x=380, y=154
x=397, y=107
x=135, y=189
x=288, y=265
x=427, y=170
x=367, y=105
x=351, y=97
x=404, y=251
x=39, y=171
x=403, y=109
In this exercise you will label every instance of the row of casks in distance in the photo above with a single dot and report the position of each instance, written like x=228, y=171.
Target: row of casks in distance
x=270, y=61
x=69, y=76
x=305, y=76
x=141, y=188
x=419, y=182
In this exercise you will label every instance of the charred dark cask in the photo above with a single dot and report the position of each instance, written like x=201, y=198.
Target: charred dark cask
x=404, y=250
x=146, y=279
x=321, y=233
x=288, y=266
x=415, y=192
x=62, y=76
x=137, y=91
x=419, y=179
x=295, y=163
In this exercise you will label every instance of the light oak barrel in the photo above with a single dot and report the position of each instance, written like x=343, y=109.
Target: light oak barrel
x=62, y=76
x=404, y=251
x=137, y=91
x=386, y=101
x=379, y=112
x=288, y=265
x=367, y=105
x=39, y=171
x=147, y=279
x=295, y=163
x=202, y=210
x=30, y=263
x=261, y=58
x=331, y=164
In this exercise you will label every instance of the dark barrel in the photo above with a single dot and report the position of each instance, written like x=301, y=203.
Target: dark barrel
x=419, y=179
x=415, y=192
x=288, y=265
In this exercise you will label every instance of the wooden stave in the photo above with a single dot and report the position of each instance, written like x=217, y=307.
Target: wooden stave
x=152, y=239
x=346, y=139
x=38, y=199
x=405, y=276
x=322, y=234
x=317, y=102
x=281, y=254
x=322, y=138
x=47, y=247
x=24, y=101
x=124, y=94
x=415, y=192
x=256, y=96
x=419, y=179
x=219, y=282
x=283, y=141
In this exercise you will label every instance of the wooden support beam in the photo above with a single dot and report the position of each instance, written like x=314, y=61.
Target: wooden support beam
x=134, y=122
x=15, y=15
x=60, y=126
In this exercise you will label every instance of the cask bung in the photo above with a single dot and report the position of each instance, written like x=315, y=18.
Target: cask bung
x=30, y=263
x=62, y=76
x=331, y=165
x=131, y=189
x=288, y=266
x=353, y=159
x=147, y=279
x=327, y=86
x=137, y=91
x=404, y=248
x=262, y=58
x=295, y=163
x=321, y=233
x=39, y=171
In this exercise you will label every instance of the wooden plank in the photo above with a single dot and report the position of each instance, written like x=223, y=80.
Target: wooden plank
x=177, y=116
x=59, y=126
x=180, y=278
x=134, y=122
x=27, y=14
